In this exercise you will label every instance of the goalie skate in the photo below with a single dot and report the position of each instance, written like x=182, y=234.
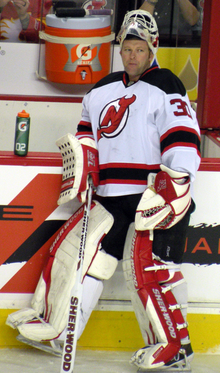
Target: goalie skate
x=180, y=363
x=52, y=348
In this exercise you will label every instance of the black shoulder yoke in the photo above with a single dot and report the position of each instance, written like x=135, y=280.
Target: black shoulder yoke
x=164, y=79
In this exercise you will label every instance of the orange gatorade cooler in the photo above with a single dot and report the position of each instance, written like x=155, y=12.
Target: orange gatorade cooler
x=77, y=50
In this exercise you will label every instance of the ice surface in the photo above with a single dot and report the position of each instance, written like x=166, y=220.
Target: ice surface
x=87, y=361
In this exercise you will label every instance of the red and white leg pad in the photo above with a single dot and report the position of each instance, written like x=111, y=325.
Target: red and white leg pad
x=159, y=314
x=47, y=317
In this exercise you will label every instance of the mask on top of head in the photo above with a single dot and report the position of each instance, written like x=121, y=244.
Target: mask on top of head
x=141, y=24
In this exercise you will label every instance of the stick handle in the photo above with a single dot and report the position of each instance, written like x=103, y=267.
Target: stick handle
x=80, y=12
x=70, y=342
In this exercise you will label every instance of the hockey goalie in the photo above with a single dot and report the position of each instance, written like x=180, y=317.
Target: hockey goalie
x=138, y=140
x=158, y=290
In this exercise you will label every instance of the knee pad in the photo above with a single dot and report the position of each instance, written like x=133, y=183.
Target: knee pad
x=47, y=317
x=158, y=311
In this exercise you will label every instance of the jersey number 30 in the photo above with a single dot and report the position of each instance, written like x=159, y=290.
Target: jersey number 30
x=182, y=107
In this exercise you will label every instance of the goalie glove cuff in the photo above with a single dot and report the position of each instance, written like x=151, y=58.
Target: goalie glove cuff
x=80, y=161
x=90, y=167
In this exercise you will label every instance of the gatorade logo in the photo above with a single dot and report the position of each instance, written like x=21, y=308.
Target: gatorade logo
x=22, y=126
x=84, y=53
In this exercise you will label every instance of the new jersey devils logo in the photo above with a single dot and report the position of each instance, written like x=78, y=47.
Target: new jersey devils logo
x=113, y=117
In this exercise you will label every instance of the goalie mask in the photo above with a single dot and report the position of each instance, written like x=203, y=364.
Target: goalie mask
x=141, y=24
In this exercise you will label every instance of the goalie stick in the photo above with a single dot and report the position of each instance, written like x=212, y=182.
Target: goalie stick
x=70, y=341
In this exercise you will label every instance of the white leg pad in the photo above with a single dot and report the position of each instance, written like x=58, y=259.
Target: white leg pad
x=139, y=310
x=20, y=317
x=51, y=298
x=159, y=314
x=92, y=290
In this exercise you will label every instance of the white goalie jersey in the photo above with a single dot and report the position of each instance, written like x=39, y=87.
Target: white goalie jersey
x=138, y=127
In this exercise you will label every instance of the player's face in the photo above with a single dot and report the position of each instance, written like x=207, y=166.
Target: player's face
x=136, y=57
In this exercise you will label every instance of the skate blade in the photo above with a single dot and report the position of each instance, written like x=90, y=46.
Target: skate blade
x=53, y=349
x=168, y=370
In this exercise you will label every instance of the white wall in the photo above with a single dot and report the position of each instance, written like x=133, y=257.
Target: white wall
x=49, y=121
x=22, y=67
